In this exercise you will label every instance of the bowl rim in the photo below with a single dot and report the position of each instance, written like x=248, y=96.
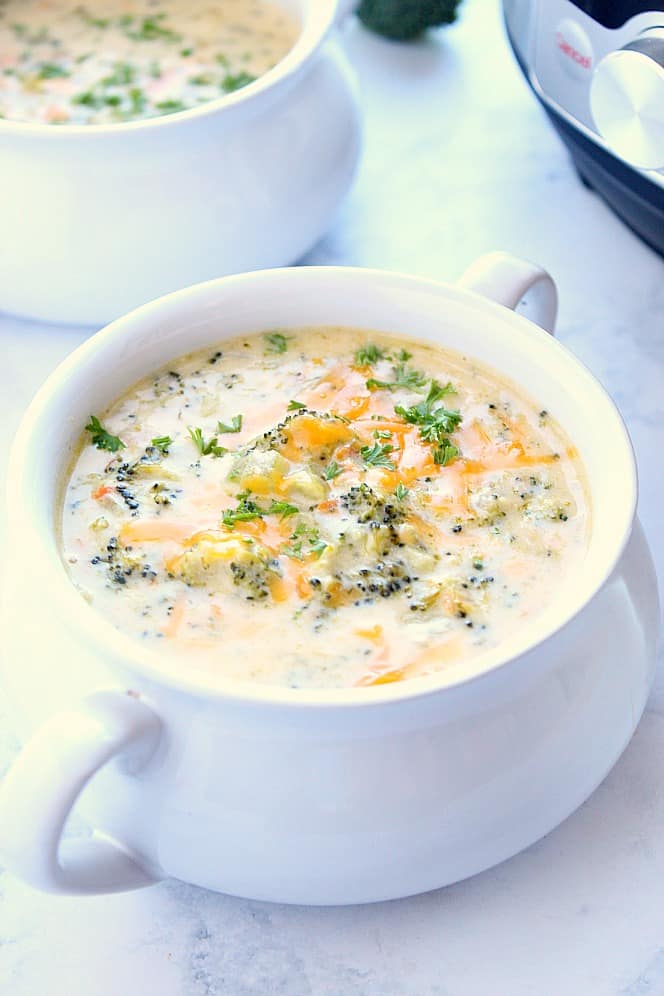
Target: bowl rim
x=128, y=655
x=319, y=19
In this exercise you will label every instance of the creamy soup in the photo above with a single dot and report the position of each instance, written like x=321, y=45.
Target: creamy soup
x=63, y=62
x=323, y=508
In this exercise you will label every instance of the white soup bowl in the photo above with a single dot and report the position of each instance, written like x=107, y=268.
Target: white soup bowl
x=308, y=796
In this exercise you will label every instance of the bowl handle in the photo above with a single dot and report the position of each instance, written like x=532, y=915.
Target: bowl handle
x=40, y=790
x=509, y=280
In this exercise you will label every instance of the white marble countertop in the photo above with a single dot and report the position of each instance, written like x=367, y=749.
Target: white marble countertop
x=459, y=159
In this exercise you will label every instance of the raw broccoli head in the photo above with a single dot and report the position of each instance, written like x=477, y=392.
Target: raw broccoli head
x=403, y=20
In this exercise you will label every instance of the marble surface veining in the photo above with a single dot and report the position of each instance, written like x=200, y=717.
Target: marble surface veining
x=458, y=160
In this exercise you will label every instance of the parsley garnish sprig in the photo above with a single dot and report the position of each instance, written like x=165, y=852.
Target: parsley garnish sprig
x=102, y=439
x=247, y=510
x=435, y=424
x=276, y=342
x=303, y=532
x=162, y=443
x=206, y=447
x=367, y=355
x=234, y=426
x=378, y=455
x=403, y=376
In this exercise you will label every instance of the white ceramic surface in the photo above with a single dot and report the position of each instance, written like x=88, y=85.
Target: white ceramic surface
x=458, y=159
x=301, y=796
x=98, y=219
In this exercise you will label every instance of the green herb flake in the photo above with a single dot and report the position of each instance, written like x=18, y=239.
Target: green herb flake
x=205, y=447
x=295, y=549
x=170, y=106
x=235, y=425
x=52, y=71
x=123, y=74
x=246, y=511
x=162, y=443
x=294, y=406
x=283, y=509
x=445, y=453
x=152, y=30
x=318, y=547
x=138, y=100
x=232, y=82
x=377, y=455
x=435, y=424
x=90, y=19
x=332, y=470
x=89, y=99
x=400, y=491
x=276, y=342
x=367, y=355
x=403, y=378
x=102, y=439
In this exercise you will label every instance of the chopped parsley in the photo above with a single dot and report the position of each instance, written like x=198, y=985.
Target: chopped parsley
x=235, y=425
x=102, y=439
x=445, y=453
x=435, y=424
x=205, y=447
x=152, y=30
x=294, y=406
x=93, y=22
x=403, y=376
x=400, y=491
x=247, y=510
x=138, y=100
x=52, y=71
x=276, y=342
x=283, y=509
x=377, y=455
x=162, y=443
x=296, y=549
x=367, y=355
x=171, y=106
x=232, y=82
x=90, y=99
x=123, y=73
x=332, y=470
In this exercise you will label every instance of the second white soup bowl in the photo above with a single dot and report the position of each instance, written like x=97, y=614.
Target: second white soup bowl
x=96, y=219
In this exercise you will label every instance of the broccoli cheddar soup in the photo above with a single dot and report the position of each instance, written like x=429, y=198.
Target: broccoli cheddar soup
x=324, y=507
x=62, y=62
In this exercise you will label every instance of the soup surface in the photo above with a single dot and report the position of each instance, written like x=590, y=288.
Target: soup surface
x=323, y=508
x=63, y=62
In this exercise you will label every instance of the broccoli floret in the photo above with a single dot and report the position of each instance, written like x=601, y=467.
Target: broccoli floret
x=367, y=507
x=403, y=20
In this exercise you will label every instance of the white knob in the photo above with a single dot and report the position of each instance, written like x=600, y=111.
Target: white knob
x=627, y=100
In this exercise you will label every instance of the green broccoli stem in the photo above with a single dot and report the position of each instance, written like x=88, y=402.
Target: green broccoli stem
x=404, y=20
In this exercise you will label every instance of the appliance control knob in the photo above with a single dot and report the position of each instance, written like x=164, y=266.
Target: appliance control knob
x=627, y=100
